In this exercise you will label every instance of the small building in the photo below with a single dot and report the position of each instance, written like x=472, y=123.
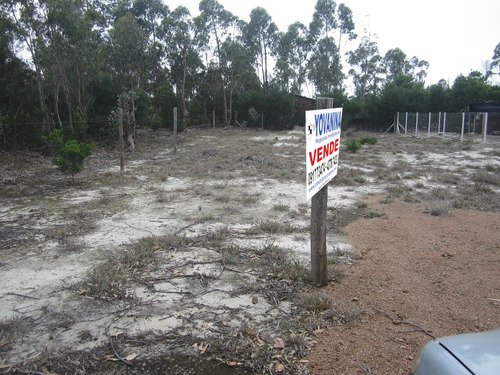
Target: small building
x=301, y=104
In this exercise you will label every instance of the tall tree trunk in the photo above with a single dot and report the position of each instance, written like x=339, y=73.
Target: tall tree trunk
x=231, y=104
x=221, y=79
x=266, y=83
x=82, y=105
x=134, y=134
x=68, y=105
x=56, y=101
x=41, y=98
x=183, y=87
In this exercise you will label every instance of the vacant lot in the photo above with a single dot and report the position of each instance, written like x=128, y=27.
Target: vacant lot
x=198, y=261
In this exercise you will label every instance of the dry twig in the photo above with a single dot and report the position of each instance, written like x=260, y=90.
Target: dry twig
x=397, y=322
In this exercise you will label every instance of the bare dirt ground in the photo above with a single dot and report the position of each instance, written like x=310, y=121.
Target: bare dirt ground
x=197, y=262
x=417, y=272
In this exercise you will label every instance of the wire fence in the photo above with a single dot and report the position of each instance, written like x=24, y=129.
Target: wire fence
x=447, y=125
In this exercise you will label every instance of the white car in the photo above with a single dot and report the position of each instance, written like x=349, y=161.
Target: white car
x=470, y=353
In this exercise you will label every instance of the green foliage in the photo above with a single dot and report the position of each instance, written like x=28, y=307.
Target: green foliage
x=70, y=154
x=82, y=55
x=353, y=145
x=369, y=140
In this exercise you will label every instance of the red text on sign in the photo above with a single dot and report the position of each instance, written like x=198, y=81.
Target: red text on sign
x=323, y=151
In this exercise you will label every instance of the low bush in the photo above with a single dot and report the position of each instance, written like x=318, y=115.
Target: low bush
x=353, y=145
x=69, y=155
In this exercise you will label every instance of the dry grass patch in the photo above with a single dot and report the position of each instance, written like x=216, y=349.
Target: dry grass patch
x=272, y=227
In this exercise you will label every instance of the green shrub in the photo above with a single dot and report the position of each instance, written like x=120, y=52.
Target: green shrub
x=353, y=145
x=69, y=156
x=369, y=140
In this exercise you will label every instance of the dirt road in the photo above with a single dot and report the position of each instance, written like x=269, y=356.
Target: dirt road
x=416, y=273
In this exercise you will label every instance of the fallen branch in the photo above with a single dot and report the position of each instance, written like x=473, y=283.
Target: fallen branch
x=238, y=271
x=192, y=262
x=20, y=295
x=179, y=276
x=141, y=229
x=116, y=353
x=397, y=322
x=169, y=292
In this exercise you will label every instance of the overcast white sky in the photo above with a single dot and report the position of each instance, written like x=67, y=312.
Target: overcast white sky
x=454, y=36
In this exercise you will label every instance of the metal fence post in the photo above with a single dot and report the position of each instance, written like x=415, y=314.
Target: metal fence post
x=485, y=126
x=429, y=125
x=416, y=125
x=463, y=126
x=444, y=124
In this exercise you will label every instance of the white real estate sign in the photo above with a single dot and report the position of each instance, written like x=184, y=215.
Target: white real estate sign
x=322, y=147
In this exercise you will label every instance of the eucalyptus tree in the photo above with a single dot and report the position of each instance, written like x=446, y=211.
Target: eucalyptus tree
x=495, y=63
x=214, y=24
x=345, y=24
x=325, y=62
x=396, y=64
x=366, y=71
x=150, y=14
x=128, y=45
x=292, y=53
x=29, y=18
x=182, y=57
x=282, y=68
x=18, y=96
x=238, y=70
x=324, y=22
x=261, y=35
x=325, y=67
x=71, y=58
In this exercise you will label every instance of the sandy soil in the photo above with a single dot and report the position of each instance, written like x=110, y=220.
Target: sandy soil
x=440, y=273
x=224, y=228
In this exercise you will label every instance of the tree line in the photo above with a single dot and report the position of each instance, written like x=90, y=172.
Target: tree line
x=70, y=64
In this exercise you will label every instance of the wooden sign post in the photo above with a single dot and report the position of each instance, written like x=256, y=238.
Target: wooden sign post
x=322, y=159
x=319, y=203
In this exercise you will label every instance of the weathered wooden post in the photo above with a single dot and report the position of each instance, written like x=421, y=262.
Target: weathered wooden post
x=416, y=125
x=122, y=141
x=319, y=204
x=444, y=125
x=463, y=127
x=213, y=121
x=429, y=125
x=485, y=126
x=175, y=130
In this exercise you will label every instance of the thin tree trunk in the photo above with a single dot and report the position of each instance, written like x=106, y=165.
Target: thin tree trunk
x=183, y=95
x=68, y=105
x=56, y=102
x=265, y=70
x=231, y=104
x=134, y=134
x=222, y=79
